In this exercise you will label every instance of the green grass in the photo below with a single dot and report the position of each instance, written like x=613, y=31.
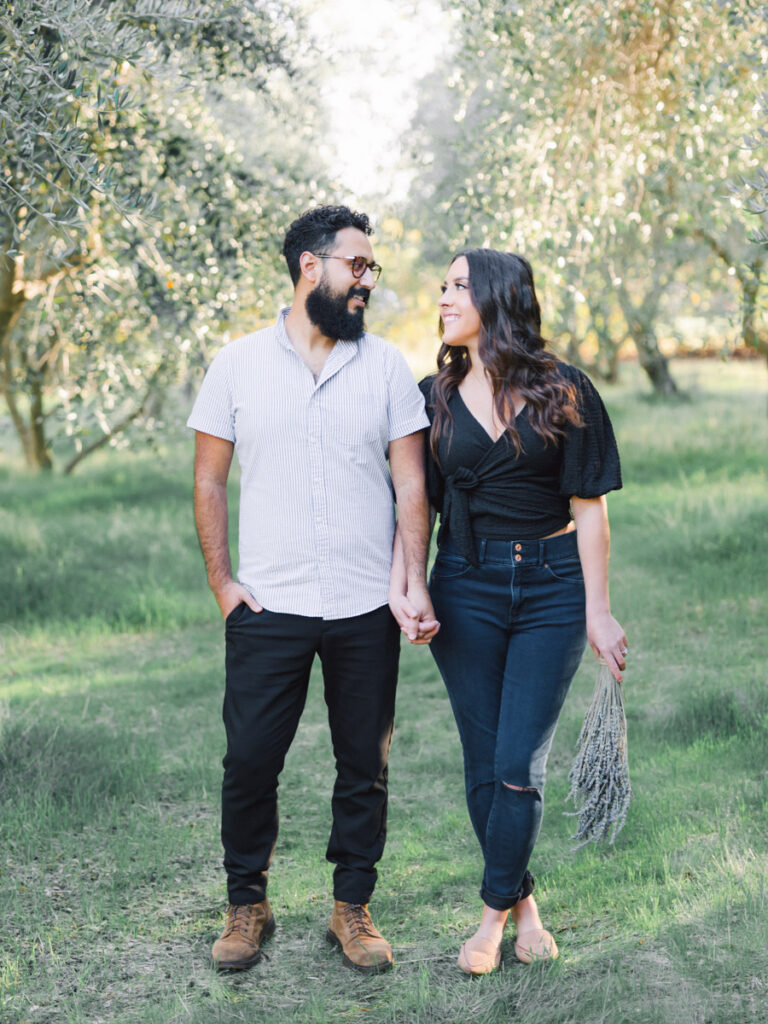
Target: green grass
x=111, y=889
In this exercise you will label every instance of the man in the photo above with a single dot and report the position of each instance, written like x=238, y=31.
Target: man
x=314, y=406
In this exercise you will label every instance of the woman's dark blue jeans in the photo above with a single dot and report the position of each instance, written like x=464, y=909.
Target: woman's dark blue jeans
x=512, y=635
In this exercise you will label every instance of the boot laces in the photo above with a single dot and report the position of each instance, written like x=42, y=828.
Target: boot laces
x=239, y=920
x=358, y=920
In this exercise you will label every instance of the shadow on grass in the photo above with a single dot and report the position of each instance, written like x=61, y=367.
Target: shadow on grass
x=70, y=769
x=650, y=467
x=116, y=545
x=136, y=483
x=735, y=534
x=719, y=714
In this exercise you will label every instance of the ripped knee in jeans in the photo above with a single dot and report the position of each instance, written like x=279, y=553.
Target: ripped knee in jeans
x=521, y=789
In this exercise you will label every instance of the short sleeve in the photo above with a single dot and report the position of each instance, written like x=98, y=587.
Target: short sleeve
x=435, y=481
x=213, y=411
x=425, y=387
x=405, y=405
x=591, y=464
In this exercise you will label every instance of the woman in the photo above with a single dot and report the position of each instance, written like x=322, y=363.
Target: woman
x=521, y=454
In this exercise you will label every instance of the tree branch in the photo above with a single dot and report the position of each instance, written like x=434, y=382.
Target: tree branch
x=120, y=427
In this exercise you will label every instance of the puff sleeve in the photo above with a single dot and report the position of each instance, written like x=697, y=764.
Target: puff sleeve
x=590, y=466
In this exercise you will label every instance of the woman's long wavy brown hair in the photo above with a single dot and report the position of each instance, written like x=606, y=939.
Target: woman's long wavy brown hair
x=511, y=348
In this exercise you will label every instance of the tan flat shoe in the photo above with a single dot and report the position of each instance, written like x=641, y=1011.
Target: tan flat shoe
x=479, y=956
x=536, y=944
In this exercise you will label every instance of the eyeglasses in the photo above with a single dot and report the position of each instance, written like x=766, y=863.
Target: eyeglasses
x=357, y=264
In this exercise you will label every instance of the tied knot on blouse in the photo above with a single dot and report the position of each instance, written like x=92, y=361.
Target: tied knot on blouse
x=486, y=488
x=464, y=479
x=457, y=488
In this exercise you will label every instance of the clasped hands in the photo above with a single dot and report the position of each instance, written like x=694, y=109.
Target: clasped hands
x=413, y=611
x=414, y=614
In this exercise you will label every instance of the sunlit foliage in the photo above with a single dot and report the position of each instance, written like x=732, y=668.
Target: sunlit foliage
x=147, y=172
x=599, y=138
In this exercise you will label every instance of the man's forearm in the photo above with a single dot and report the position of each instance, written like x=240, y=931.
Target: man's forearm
x=211, y=520
x=406, y=461
x=413, y=526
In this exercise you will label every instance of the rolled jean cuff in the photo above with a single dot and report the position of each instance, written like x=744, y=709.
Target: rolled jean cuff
x=495, y=902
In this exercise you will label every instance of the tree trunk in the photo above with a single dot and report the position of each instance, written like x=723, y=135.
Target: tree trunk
x=640, y=320
x=750, y=335
x=30, y=433
x=39, y=449
x=22, y=430
x=607, y=358
x=30, y=426
x=653, y=362
x=611, y=372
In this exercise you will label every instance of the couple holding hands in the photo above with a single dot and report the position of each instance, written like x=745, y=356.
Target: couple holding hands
x=515, y=451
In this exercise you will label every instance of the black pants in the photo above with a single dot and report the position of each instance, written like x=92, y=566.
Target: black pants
x=268, y=660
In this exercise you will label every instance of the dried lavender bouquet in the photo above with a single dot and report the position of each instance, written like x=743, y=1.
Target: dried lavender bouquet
x=599, y=776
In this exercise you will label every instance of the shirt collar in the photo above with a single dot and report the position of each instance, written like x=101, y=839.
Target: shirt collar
x=342, y=352
x=282, y=334
x=285, y=341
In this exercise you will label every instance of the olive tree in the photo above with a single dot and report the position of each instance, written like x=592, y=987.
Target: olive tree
x=597, y=137
x=146, y=170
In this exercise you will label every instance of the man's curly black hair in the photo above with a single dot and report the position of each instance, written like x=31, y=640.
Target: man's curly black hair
x=315, y=231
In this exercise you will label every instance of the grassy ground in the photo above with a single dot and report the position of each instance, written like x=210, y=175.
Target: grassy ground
x=111, y=890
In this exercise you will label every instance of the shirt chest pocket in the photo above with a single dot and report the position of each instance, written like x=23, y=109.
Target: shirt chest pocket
x=357, y=420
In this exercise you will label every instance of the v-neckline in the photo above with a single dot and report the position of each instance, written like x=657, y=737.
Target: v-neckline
x=480, y=425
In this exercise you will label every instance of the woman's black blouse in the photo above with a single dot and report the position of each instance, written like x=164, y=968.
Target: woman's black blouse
x=483, y=488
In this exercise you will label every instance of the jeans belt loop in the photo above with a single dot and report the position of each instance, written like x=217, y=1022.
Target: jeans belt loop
x=481, y=552
x=542, y=549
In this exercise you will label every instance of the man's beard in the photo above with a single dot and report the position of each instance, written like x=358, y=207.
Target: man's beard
x=328, y=312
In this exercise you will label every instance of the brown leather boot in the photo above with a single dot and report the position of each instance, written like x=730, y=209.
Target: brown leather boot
x=364, y=947
x=247, y=927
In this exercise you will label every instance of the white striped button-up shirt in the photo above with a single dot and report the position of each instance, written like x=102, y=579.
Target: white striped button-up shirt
x=316, y=517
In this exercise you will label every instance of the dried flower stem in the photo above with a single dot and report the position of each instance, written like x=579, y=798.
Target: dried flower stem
x=599, y=776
